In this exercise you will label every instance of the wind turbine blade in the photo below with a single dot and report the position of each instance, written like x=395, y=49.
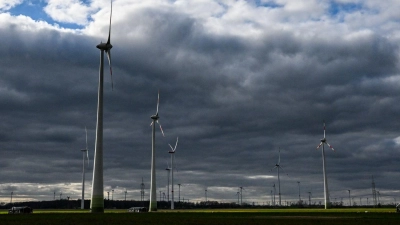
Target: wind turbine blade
x=171, y=147
x=109, y=62
x=87, y=150
x=151, y=123
x=158, y=101
x=279, y=160
x=280, y=167
x=176, y=144
x=330, y=146
x=87, y=156
x=319, y=145
x=86, y=138
x=324, y=129
x=161, y=128
x=109, y=29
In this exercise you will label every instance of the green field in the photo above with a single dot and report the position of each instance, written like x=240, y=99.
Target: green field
x=209, y=216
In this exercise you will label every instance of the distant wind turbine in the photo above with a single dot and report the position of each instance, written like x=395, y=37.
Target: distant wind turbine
x=83, y=171
x=153, y=193
x=97, y=201
x=172, y=152
x=326, y=194
x=278, y=167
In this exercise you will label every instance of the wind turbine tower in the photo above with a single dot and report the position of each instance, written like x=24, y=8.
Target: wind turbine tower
x=168, y=169
x=326, y=192
x=86, y=150
x=241, y=195
x=153, y=186
x=172, y=152
x=278, y=166
x=97, y=200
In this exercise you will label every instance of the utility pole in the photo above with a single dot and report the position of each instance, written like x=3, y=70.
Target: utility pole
x=108, y=195
x=373, y=192
x=179, y=195
x=272, y=199
x=142, y=191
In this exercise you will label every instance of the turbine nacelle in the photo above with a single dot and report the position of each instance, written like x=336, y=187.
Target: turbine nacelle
x=104, y=46
x=155, y=117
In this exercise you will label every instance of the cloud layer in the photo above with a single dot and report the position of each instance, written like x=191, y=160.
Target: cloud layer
x=237, y=79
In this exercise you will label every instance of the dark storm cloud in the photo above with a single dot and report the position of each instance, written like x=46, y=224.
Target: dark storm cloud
x=232, y=100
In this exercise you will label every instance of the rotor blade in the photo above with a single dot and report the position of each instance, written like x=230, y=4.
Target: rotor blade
x=171, y=147
x=176, y=144
x=109, y=29
x=160, y=128
x=87, y=150
x=158, y=101
x=283, y=170
x=86, y=138
x=330, y=146
x=324, y=128
x=87, y=156
x=319, y=145
x=279, y=160
x=109, y=62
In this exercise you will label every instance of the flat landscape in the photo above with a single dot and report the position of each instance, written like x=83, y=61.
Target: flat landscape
x=361, y=216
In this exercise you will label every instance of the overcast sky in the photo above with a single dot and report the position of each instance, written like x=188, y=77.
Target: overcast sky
x=238, y=81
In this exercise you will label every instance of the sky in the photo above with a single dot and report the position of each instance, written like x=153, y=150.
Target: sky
x=238, y=81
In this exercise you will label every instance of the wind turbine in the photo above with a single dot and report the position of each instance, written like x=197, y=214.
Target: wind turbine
x=153, y=193
x=278, y=166
x=323, y=142
x=97, y=201
x=241, y=195
x=83, y=171
x=172, y=152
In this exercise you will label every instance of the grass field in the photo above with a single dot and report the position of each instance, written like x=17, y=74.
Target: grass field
x=209, y=216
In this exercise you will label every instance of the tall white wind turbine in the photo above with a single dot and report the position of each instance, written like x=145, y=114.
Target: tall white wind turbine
x=153, y=187
x=83, y=171
x=326, y=192
x=172, y=152
x=97, y=201
x=278, y=167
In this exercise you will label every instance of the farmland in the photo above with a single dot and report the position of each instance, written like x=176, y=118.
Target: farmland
x=360, y=216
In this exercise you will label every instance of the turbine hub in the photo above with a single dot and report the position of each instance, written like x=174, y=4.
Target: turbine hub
x=154, y=117
x=104, y=46
x=323, y=140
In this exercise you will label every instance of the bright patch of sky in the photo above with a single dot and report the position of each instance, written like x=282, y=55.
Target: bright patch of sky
x=267, y=3
x=344, y=7
x=73, y=14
